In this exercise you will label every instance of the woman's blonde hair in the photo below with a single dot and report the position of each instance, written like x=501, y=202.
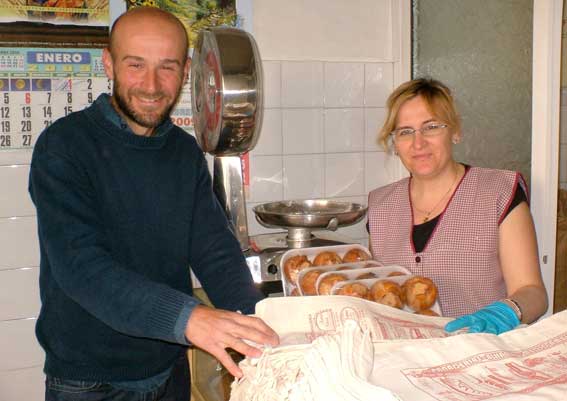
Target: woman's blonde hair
x=438, y=99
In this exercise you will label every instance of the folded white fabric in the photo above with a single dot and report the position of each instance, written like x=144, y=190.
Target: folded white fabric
x=334, y=367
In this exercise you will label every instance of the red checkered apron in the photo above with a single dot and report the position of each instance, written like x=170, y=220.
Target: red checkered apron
x=461, y=256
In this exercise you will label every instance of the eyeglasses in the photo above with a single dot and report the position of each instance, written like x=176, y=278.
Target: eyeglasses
x=407, y=134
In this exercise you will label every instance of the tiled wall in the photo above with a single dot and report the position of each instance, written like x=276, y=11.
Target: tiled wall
x=318, y=138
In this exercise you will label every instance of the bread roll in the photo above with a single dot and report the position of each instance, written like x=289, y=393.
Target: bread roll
x=327, y=258
x=357, y=290
x=327, y=282
x=293, y=266
x=393, y=274
x=308, y=282
x=420, y=293
x=355, y=255
x=426, y=312
x=387, y=292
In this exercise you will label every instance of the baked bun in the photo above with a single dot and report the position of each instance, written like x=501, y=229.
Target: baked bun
x=327, y=258
x=366, y=275
x=327, y=282
x=341, y=268
x=308, y=282
x=420, y=293
x=295, y=292
x=357, y=290
x=387, y=292
x=355, y=255
x=393, y=274
x=426, y=312
x=293, y=266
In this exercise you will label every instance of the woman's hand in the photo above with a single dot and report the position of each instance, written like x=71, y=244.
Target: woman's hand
x=495, y=318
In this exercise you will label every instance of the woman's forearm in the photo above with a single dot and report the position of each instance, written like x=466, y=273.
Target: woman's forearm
x=532, y=300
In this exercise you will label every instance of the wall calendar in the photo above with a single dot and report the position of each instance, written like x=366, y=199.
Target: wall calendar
x=40, y=85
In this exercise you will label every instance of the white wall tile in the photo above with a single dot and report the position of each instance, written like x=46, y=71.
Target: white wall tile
x=19, y=293
x=302, y=84
x=270, y=140
x=374, y=119
x=344, y=84
x=344, y=174
x=378, y=170
x=24, y=350
x=272, y=83
x=304, y=176
x=15, y=198
x=23, y=384
x=302, y=131
x=19, y=245
x=344, y=130
x=378, y=83
x=265, y=178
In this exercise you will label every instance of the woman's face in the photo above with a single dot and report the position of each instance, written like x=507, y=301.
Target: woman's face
x=424, y=156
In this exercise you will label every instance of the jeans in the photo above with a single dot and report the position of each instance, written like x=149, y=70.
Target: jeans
x=176, y=388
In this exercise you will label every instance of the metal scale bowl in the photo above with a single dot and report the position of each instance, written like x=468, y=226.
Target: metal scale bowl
x=300, y=217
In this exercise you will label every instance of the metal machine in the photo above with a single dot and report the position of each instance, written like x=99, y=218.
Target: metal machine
x=227, y=102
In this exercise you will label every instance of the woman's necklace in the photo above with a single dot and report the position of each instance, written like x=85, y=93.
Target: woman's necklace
x=428, y=213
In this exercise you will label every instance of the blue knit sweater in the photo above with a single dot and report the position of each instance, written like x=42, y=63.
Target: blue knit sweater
x=120, y=219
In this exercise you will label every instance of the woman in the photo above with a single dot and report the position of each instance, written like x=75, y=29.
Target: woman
x=469, y=229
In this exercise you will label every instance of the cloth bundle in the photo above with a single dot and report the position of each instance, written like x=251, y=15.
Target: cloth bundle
x=334, y=367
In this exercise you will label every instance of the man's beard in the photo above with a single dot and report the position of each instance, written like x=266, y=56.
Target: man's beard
x=147, y=120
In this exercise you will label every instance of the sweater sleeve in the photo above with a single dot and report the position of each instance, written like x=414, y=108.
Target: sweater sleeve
x=73, y=241
x=216, y=257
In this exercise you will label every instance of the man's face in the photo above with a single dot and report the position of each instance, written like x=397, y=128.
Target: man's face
x=148, y=66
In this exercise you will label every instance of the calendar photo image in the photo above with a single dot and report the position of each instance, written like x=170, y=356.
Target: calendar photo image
x=40, y=85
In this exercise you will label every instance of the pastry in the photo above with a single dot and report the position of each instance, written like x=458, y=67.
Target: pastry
x=327, y=258
x=344, y=268
x=327, y=282
x=426, y=312
x=293, y=266
x=357, y=290
x=355, y=255
x=420, y=293
x=308, y=281
x=393, y=274
x=387, y=292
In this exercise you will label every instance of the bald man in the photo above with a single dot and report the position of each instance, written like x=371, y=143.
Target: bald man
x=124, y=205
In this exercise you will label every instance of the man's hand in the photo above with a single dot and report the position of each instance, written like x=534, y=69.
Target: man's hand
x=214, y=330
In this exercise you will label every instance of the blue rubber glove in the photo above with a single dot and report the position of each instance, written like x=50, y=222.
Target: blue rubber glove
x=495, y=318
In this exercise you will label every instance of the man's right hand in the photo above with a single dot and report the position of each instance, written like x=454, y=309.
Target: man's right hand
x=215, y=330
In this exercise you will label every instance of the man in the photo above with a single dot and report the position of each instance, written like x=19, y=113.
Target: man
x=124, y=205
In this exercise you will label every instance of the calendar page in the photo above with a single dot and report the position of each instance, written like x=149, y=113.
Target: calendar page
x=39, y=86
